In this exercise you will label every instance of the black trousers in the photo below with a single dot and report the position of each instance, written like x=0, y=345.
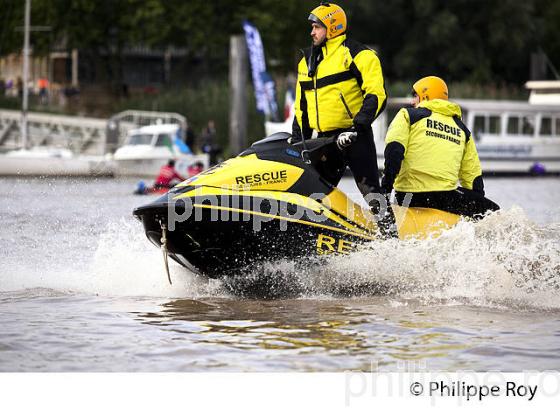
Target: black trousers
x=360, y=157
x=460, y=201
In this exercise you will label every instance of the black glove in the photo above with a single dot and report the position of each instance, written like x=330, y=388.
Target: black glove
x=387, y=184
x=478, y=185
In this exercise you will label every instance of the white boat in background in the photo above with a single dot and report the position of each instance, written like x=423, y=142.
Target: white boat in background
x=544, y=92
x=515, y=137
x=147, y=149
x=48, y=161
x=512, y=137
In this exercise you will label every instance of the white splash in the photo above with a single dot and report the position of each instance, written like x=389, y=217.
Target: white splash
x=503, y=260
x=127, y=264
x=124, y=263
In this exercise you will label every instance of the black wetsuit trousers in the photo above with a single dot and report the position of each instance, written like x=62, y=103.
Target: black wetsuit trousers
x=460, y=201
x=361, y=158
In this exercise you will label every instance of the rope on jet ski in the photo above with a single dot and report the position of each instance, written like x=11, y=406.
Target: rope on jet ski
x=305, y=152
x=164, y=251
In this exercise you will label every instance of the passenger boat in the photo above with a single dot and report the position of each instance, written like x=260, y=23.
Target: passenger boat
x=512, y=137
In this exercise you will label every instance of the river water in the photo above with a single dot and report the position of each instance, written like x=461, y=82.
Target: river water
x=81, y=289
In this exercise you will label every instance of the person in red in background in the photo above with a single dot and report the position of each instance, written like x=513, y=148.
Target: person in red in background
x=167, y=174
x=195, y=168
x=43, y=85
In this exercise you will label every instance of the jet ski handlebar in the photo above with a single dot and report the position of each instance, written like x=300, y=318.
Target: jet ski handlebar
x=319, y=144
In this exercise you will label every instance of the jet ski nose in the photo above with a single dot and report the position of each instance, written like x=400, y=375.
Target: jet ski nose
x=158, y=206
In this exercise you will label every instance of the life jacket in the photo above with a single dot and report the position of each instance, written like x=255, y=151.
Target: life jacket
x=167, y=174
x=345, y=88
x=438, y=148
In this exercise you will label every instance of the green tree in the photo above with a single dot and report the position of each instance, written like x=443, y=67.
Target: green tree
x=479, y=41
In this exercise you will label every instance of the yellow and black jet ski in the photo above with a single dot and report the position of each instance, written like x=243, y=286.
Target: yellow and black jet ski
x=275, y=200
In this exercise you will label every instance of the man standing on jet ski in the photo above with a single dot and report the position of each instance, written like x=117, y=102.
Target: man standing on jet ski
x=429, y=150
x=340, y=90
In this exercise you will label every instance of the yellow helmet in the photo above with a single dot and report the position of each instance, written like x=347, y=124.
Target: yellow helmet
x=431, y=88
x=330, y=16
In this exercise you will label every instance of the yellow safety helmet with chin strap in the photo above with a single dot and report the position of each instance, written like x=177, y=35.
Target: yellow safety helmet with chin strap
x=332, y=17
x=431, y=88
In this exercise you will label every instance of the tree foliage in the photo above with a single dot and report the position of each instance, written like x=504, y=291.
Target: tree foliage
x=479, y=41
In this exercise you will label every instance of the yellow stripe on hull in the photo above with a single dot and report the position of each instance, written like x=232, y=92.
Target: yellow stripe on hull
x=278, y=217
x=360, y=229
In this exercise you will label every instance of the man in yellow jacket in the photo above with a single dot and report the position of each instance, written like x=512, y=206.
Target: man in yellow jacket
x=340, y=88
x=429, y=150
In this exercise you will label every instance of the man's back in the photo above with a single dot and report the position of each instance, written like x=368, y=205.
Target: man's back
x=435, y=142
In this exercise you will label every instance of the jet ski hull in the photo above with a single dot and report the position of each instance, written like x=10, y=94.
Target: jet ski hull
x=224, y=241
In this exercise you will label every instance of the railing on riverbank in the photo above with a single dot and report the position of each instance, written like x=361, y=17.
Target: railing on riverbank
x=81, y=135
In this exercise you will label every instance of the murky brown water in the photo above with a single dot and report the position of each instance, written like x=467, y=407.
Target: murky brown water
x=81, y=289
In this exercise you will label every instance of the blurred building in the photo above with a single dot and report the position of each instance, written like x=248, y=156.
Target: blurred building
x=140, y=67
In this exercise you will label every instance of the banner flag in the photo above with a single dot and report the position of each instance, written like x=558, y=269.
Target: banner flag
x=262, y=81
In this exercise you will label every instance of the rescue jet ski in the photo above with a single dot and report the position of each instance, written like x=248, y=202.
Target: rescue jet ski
x=273, y=201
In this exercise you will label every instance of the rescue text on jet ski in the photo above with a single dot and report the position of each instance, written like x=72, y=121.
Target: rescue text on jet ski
x=265, y=177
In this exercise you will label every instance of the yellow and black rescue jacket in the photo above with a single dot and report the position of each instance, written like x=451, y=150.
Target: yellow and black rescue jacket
x=435, y=147
x=345, y=88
